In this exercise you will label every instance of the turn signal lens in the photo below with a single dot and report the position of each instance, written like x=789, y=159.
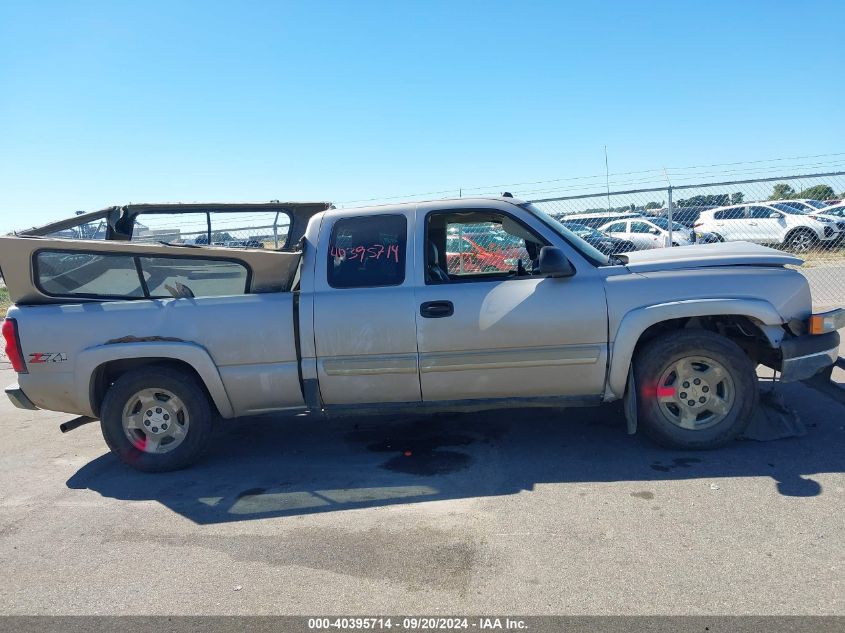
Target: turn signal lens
x=826, y=322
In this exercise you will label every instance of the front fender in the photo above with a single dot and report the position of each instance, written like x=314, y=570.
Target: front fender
x=194, y=355
x=637, y=321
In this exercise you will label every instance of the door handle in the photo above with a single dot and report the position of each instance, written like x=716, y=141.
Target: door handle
x=437, y=309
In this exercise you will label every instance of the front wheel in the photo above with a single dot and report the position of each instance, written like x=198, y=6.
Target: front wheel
x=157, y=419
x=697, y=389
x=801, y=241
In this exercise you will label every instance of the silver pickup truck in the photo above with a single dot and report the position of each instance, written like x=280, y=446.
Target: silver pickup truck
x=387, y=307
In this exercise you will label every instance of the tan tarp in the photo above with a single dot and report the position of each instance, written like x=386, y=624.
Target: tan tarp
x=272, y=271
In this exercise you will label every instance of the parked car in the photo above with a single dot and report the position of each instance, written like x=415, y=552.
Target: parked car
x=813, y=204
x=647, y=233
x=688, y=216
x=465, y=253
x=607, y=244
x=158, y=341
x=805, y=208
x=595, y=220
x=770, y=223
x=835, y=210
x=682, y=215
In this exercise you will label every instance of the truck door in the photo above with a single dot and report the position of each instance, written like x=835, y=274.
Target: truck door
x=504, y=333
x=364, y=326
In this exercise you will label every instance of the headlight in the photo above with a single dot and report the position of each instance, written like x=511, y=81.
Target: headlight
x=827, y=322
x=821, y=219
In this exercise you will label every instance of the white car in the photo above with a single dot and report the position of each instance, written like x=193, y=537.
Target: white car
x=647, y=233
x=774, y=223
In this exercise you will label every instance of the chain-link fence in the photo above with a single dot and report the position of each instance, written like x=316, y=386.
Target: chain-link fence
x=802, y=214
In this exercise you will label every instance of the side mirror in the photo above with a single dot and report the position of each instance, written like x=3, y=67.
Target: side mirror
x=654, y=231
x=775, y=214
x=553, y=263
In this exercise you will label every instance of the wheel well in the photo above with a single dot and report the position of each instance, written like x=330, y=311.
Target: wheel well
x=106, y=374
x=800, y=229
x=742, y=330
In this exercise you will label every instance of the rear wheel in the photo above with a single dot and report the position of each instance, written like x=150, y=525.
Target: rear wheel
x=157, y=419
x=697, y=389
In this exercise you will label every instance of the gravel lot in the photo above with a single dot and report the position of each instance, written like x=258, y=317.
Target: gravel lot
x=529, y=512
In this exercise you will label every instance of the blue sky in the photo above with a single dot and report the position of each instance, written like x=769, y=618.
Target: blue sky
x=111, y=102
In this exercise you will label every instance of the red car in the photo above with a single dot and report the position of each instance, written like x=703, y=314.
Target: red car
x=484, y=252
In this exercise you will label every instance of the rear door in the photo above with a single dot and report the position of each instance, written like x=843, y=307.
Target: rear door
x=731, y=223
x=364, y=326
x=765, y=225
x=619, y=230
x=644, y=235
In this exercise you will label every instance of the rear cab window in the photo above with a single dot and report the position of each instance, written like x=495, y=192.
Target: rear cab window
x=94, y=275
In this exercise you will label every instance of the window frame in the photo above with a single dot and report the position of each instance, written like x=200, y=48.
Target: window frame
x=331, y=239
x=209, y=225
x=475, y=277
x=648, y=225
x=136, y=259
x=626, y=227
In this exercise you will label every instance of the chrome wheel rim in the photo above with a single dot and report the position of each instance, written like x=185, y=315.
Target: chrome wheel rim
x=696, y=393
x=155, y=421
x=802, y=242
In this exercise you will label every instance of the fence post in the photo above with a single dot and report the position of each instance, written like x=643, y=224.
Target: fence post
x=276, y=231
x=669, y=215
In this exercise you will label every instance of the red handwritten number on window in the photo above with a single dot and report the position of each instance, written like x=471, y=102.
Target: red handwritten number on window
x=362, y=253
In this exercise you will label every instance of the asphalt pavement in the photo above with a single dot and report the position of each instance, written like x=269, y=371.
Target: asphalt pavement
x=519, y=511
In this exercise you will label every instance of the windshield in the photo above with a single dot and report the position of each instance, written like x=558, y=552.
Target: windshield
x=588, y=251
x=663, y=223
x=790, y=207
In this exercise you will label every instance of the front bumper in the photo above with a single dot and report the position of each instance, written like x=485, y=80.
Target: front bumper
x=19, y=399
x=805, y=356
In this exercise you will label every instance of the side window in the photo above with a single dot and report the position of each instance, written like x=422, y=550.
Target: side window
x=760, y=213
x=616, y=227
x=168, y=277
x=108, y=275
x=479, y=244
x=734, y=213
x=69, y=273
x=367, y=252
x=640, y=227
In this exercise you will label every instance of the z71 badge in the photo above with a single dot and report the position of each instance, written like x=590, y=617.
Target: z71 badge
x=42, y=357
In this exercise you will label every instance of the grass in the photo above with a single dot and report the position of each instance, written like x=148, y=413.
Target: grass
x=4, y=301
x=821, y=258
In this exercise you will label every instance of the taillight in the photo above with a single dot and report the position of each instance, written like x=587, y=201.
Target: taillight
x=13, y=346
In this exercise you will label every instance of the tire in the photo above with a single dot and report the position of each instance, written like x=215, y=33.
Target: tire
x=724, y=398
x=144, y=398
x=800, y=241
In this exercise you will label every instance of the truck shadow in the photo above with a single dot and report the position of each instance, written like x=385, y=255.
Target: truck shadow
x=272, y=467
